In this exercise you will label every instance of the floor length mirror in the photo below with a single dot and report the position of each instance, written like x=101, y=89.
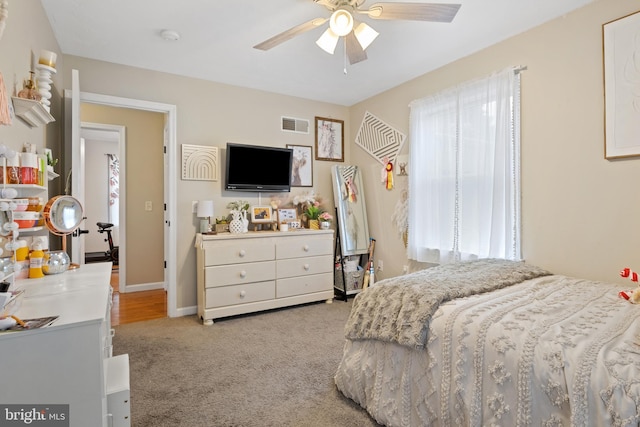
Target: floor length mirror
x=351, y=210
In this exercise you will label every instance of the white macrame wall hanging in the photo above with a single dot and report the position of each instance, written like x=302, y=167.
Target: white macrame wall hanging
x=379, y=139
x=200, y=163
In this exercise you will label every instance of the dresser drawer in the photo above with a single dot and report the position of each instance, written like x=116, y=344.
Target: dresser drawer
x=233, y=274
x=304, y=246
x=240, y=294
x=302, y=266
x=304, y=285
x=236, y=251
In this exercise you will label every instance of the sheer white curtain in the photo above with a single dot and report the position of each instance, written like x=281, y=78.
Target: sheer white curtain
x=464, y=185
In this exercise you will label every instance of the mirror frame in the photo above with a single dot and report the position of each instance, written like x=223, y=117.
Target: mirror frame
x=50, y=214
x=339, y=175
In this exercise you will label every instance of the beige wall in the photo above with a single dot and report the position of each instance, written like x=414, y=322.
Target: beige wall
x=210, y=114
x=580, y=211
x=28, y=32
x=144, y=182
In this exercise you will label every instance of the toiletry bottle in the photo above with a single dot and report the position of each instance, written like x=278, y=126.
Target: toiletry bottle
x=21, y=250
x=13, y=169
x=36, y=258
x=372, y=280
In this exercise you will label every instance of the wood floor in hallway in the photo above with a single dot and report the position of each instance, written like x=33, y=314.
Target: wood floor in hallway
x=136, y=306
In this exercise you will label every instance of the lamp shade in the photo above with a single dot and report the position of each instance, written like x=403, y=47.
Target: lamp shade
x=205, y=209
x=328, y=41
x=365, y=35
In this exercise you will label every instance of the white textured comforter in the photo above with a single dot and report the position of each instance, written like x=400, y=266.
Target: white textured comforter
x=551, y=351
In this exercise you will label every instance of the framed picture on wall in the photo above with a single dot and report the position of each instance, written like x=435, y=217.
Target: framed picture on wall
x=620, y=48
x=329, y=139
x=302, y=167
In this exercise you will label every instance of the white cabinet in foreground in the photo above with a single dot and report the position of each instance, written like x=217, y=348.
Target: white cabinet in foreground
x=65, y=363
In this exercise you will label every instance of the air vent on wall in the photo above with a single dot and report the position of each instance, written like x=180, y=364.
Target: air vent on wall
x=290, y=124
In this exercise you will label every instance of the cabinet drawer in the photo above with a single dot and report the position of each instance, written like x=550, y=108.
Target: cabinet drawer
x=304, y=285
x=304, y=266
x=240, y=250
x=240, y=294
x=303, y=246
x=239, y=273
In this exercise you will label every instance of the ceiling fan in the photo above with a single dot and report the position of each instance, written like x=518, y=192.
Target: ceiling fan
x=358, y=35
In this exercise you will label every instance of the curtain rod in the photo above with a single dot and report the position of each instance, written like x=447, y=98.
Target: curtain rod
x=519, y=69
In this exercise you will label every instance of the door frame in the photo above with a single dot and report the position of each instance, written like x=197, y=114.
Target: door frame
x=170, y=173
x=120, y=130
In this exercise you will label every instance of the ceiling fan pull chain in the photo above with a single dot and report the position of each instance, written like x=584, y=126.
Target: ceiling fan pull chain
x=344, y=69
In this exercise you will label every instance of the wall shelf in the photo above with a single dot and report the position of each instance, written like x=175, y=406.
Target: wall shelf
x=31, y=112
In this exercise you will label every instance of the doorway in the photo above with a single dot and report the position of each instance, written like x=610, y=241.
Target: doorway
x=104, y=148
x=170, y=172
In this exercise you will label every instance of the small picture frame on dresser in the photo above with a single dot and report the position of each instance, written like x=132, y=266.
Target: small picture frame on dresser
x=287, y=215
x=261, y=214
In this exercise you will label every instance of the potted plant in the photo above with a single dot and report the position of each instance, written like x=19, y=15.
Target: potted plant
x=325, y=220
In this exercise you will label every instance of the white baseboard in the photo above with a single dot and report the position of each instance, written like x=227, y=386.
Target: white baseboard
x=144, y=287
x=186, y=311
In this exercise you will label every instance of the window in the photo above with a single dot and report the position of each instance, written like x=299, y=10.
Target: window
x=464, y=187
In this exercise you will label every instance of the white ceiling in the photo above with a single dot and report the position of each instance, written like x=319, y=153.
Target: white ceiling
x=217, y=39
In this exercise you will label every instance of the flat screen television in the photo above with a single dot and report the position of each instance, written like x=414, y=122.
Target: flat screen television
x=258, y=168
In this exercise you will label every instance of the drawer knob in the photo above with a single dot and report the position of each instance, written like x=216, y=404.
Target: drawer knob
x=306, y=248
x=243, y=294
x=243, y=274
x=306, y=267
x=242, y=253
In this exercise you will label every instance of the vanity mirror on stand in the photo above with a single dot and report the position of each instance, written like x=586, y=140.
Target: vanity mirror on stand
x=62, y=216
x=352, y=234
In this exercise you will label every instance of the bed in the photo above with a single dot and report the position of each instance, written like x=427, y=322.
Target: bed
x=493, y=343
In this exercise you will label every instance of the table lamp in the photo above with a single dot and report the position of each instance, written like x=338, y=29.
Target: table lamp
x=205, y=210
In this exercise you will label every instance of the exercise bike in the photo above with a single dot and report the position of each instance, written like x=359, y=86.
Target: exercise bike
x=112, y=253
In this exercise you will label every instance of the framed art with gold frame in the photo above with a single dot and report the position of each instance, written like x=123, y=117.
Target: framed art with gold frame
x=329, y=139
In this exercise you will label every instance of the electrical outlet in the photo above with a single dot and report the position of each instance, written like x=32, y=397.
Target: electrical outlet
x=148, y=206
x=405, y=269
x=380, y=265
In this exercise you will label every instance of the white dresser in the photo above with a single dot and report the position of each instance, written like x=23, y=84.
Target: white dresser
x=243, y=273
x=68, y=362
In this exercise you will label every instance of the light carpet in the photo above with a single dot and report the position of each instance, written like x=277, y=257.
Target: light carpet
x=273, y=368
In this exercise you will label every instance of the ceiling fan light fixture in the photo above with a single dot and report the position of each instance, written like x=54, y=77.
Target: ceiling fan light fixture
x=328, y=41
x=365, y=35
x=341, y=22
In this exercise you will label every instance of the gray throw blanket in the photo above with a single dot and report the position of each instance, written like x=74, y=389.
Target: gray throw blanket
x=399, y=309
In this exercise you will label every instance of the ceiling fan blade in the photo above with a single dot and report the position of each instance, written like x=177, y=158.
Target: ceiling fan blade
x=290, y=33
x=355, y=53
x=435, y=12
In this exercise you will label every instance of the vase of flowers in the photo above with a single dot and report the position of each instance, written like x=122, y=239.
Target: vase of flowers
x=325, y=220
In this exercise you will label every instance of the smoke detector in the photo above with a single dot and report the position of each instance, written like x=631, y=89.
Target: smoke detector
x=170, y=35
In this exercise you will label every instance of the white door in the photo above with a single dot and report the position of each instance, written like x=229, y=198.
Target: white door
x=76, y=170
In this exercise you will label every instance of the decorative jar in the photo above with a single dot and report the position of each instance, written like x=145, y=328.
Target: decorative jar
x=55, y=262
x=314, y=224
